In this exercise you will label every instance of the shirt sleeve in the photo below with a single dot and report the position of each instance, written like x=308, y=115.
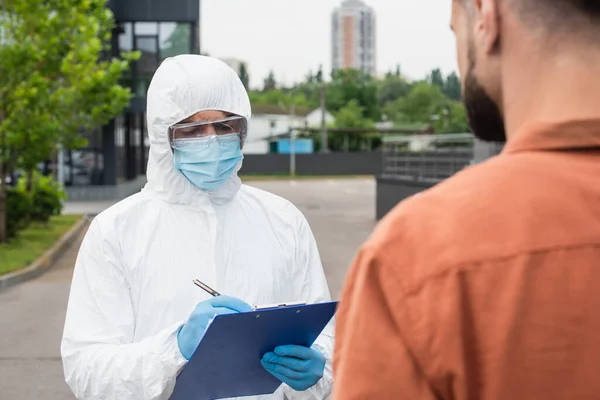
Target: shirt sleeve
x=313, y=289
x=372, y=359
x=100, y=358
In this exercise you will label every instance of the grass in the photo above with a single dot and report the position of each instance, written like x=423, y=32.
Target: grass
x=275, y=177
x=33, y=242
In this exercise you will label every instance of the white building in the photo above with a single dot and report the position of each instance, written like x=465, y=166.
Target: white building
x=353, y=37
x=271, y=121
x=313, y=119
x=234, y=63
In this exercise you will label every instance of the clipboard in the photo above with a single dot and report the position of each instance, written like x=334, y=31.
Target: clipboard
x=227, y=361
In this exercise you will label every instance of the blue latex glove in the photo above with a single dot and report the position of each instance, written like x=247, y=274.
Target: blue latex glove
x=297, y=366
x=191, y=333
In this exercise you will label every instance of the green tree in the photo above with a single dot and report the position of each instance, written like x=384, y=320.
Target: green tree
x=351, y=84
x=310, y=78
x=270, y=82
x=350, y=116
x=278, y=97
x=452, y=87
x=391, y=88
x=422, y=104
x=244, y=77
x=437, y=78
x=53, y=80
x=319, y=75
x=457, y=118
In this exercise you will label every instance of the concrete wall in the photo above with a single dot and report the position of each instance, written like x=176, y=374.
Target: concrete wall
x=392, y=191
x=364, y=163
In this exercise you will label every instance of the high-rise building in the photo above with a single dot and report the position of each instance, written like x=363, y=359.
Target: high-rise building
x=353, y=37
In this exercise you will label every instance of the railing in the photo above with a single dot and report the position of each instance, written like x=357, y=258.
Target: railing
x=429, y=158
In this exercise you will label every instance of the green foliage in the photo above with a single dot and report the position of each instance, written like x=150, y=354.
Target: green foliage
x=392, y=88
x=452, y=87
x=427, y=104
x=244, y=77
x=52, y=77
x=46, y=196
x=436, y=78
x=33, y=242
x=421, y=103
x=319, y=75
x=18, y=209
x=359, y=100
x=279, y=97
x=270, y=82
x=56, y=77
x=316, y=78
x=351, y=116
x=457, y=118
x=351, y=84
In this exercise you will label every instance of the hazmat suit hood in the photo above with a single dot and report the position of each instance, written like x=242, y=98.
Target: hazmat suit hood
x=181, y=87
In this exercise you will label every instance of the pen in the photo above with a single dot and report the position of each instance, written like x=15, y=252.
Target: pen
x=206, y=288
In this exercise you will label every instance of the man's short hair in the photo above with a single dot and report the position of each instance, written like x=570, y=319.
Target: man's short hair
x=572, y=19
x=558, y=16
x=589, y=9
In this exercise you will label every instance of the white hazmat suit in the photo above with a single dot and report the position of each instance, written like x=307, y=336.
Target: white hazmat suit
x=132, y=286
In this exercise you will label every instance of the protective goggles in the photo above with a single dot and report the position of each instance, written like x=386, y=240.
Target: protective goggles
x=204, y=131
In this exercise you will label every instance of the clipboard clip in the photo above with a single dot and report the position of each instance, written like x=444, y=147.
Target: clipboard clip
x=280, y=305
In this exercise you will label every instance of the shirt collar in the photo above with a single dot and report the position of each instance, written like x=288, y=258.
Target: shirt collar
x=568, y=135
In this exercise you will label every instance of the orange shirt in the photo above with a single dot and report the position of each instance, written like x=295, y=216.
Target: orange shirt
x=487, y=286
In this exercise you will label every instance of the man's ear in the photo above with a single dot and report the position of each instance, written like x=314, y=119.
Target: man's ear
x=487, y=25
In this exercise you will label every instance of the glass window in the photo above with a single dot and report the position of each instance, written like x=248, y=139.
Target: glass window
x=146, y=28
x=146, y=44
x=148, y=61
x=174, y=39
x=126, y=38
x=141, y=86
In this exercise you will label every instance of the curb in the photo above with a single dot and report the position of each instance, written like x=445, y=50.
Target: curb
x=45, y=262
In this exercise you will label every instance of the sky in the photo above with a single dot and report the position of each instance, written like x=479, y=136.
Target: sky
x=292, y=37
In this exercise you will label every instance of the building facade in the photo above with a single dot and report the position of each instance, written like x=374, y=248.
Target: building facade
x=268, y=122
x=235, y=64
x=117, y=153
x=353, y=37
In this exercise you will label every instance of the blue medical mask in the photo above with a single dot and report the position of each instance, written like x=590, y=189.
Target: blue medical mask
x=208, y=162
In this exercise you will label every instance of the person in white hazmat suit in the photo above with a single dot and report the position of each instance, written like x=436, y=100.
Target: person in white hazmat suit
x=134, y=317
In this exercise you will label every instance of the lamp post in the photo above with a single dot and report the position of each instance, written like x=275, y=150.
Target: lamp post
x=324, y=144
x=292, y=131
x=293, y=140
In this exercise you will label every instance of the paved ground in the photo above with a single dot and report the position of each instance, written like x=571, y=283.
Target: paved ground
x=341, y=214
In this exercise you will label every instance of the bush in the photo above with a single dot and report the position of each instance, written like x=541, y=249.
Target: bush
x=18, y=209
x=46, y=197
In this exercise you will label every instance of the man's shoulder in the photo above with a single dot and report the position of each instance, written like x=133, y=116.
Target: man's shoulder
x=461, y=195
x=462, y=219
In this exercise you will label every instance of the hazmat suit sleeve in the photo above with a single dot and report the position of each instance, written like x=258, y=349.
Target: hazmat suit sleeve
x=313, y=289
x=100, y=359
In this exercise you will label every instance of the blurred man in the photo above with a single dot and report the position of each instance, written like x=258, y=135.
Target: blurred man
x=134, y=317
x=488, y=285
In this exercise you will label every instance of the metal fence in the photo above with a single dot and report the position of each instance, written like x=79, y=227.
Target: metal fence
x=430, y=158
